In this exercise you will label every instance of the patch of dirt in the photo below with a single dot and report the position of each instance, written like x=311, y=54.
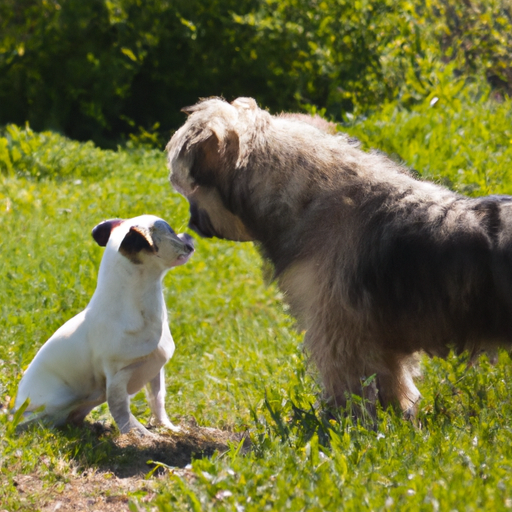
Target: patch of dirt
x=176, y=449
x=89, y=491
x=105, y=486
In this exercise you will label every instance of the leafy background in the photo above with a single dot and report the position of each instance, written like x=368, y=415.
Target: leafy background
x=102, y=69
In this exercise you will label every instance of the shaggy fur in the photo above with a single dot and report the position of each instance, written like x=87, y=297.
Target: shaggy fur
x=376, y=265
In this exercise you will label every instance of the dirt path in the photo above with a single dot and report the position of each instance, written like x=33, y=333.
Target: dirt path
x=105, y=487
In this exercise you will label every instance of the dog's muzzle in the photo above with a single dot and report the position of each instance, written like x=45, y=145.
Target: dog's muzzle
x=200, y=222
x=188, y=241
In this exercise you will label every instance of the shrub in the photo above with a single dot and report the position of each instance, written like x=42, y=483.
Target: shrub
x=100, y=69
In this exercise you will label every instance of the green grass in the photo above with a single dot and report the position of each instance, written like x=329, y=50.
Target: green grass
x=238, y=362
x=461, y=141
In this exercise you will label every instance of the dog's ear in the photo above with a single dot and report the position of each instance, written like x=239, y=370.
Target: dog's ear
x=101, y=232
x=205, y=145
x=245, y=103
x=200, y=105
x=215, y=116
x=189, y=110
x=212, y=156
x=136, y=240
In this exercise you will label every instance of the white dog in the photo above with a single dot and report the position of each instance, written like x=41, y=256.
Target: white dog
x=121, y=341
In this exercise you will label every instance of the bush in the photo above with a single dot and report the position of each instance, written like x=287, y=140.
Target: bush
x=100, y=69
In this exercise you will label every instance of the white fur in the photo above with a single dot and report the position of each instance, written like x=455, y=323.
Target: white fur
x=118, y=344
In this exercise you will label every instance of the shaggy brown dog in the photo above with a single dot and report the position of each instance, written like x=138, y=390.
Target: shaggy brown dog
x=376, y=265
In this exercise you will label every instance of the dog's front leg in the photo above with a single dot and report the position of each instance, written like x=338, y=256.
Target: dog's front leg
x=118, y=401
x=155, y=392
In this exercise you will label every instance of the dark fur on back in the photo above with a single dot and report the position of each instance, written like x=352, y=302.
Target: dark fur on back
x=376, y=265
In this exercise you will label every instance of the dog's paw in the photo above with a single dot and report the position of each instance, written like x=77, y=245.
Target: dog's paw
x=164, y=422
x=141, y=431
x=170, y=426
x=134, y=426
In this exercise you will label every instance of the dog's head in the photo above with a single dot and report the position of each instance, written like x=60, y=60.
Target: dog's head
x=145, y=239
x=204, y=156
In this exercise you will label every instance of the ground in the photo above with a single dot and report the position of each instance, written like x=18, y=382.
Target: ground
x=107, y=487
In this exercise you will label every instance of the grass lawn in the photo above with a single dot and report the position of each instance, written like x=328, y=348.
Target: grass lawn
x=238, y=382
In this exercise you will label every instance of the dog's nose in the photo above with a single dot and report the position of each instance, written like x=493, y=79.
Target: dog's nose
x=189, y=241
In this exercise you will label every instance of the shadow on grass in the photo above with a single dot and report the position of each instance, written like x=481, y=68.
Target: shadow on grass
x=100, y=447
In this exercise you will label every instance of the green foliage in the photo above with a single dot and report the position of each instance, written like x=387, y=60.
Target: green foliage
x=100, y=69
x=456, y=460
x=446, y=137
x=49, y=155
x=95, y=70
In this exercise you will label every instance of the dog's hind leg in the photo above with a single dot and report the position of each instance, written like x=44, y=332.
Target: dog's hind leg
x=81, y=410
x=344, y=371
x=155, y=392
x=51, y=400
x=77, y=416
x=396, y=385
x=343, y=380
